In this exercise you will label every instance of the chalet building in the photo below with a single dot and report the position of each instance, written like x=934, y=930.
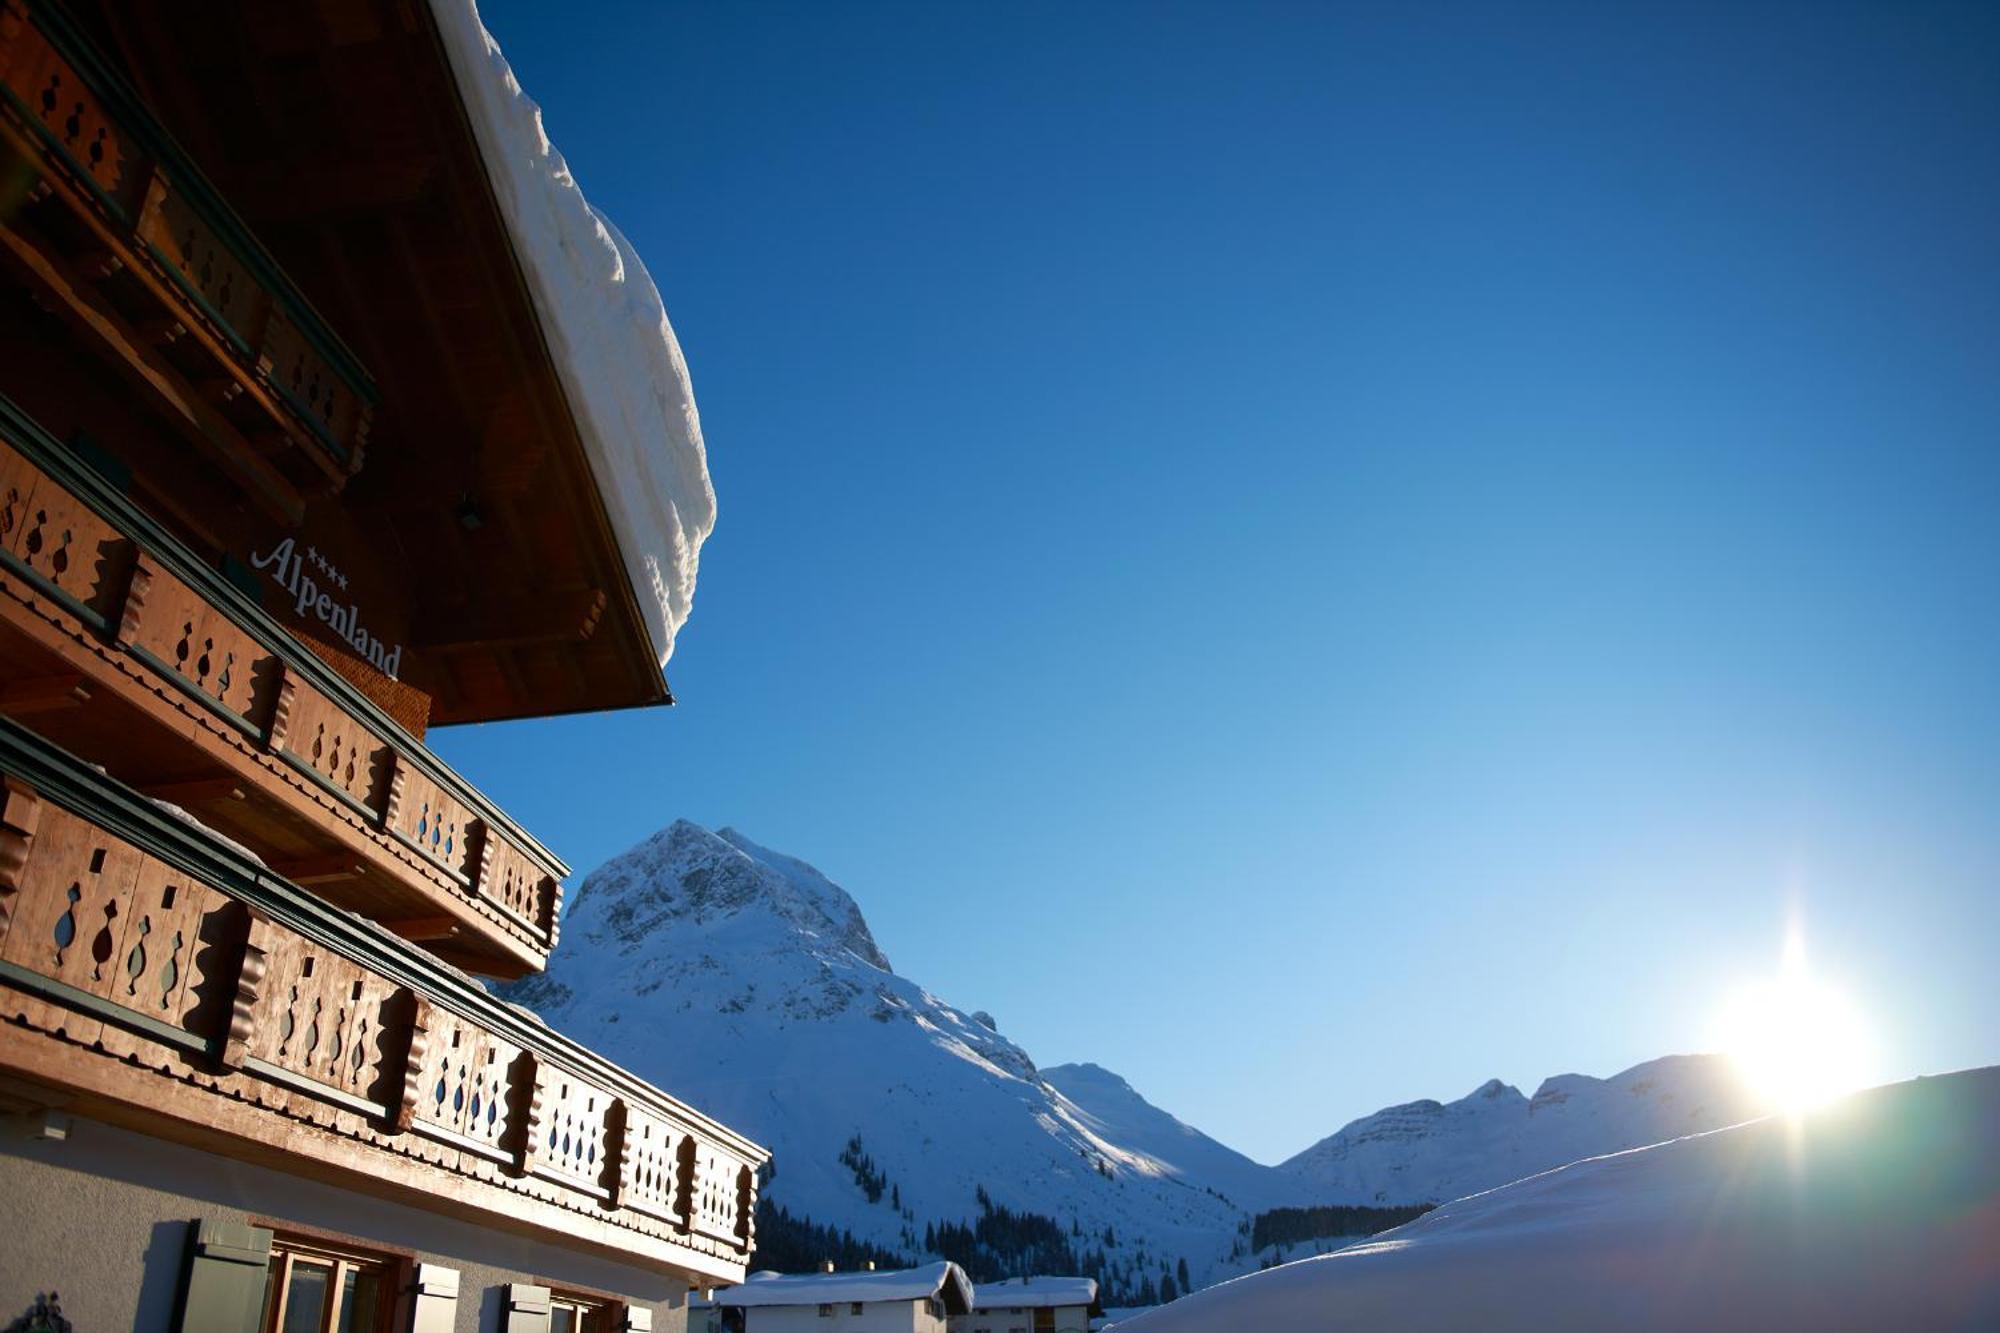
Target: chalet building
x=1031, y=1305
x=328, y=413
x=907, y=1300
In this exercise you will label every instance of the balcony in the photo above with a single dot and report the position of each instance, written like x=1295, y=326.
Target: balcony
x=154, y=976
x=121, y=235
x=121, y=645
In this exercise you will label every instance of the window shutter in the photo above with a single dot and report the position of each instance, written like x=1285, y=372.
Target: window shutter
x=433, y=1299
x=227, y=1263
x=527, y=1308
x=635, y=1319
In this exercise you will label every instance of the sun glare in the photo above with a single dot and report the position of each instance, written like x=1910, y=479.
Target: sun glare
x=1797, y=1042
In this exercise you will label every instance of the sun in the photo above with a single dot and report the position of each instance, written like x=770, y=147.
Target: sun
x=1796, y=1041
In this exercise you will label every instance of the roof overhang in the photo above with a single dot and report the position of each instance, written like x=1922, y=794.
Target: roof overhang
x=341, y=132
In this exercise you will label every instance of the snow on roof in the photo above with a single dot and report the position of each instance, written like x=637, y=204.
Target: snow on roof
x=1879, y=1212
x=607, y=331
x=944, y=1279
x=1034, y=1293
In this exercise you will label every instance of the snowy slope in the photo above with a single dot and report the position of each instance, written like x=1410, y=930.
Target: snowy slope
x=1882, y=1212
x=749, y=984
x=1120, y=1115
x=1426, y=1151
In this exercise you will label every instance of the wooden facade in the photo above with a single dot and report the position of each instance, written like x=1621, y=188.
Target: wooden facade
x=240, y=577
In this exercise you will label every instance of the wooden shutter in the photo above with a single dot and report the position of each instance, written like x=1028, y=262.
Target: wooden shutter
x=527, y=1308
x=227, y=1266
x=433, y=1299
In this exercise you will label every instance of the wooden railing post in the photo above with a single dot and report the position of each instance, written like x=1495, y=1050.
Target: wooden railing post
x=258, y=941
x=534, y=1110
x=416, y=1053
x=133, y=613
x=20, y=813
x=618, y=1161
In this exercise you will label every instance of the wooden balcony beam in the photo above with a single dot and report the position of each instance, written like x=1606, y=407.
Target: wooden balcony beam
x=562, y=617
x=20, y=698
x=87, y=309
x=196, y=791
x=326, y=869
x=421, y=928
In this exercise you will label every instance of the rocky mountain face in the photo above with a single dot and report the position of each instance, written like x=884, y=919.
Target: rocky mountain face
x=747, y=983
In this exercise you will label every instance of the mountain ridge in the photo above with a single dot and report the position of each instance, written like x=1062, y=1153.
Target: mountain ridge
x=750, y=985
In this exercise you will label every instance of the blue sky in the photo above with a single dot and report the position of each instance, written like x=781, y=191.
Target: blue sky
x=1317, y=554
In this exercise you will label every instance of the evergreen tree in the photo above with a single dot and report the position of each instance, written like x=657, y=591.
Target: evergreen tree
x=1181, y=1272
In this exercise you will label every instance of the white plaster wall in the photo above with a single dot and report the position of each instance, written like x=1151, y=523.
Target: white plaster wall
x=1068, y=1318
x=103, y=1218
x=875, y=1317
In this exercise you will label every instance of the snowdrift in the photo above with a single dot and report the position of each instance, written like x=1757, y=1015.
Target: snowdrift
x=1881, y=1212
x=607, y=331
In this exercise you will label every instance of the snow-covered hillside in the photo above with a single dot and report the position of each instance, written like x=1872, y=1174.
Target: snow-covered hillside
x=1426, y=1152
x=749, y=984
x=1120, y=1115
x=1881, y=1212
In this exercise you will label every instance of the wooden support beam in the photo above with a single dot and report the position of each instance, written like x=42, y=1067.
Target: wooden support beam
x=559, y=617
x=43, y=694
x=327, y=869
x=421, y=928
x=195, y=791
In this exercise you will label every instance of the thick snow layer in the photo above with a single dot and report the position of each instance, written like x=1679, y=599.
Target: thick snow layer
x=607, y=331
x=903, y=1284
x=1034, y=1293
x=1882, y=1212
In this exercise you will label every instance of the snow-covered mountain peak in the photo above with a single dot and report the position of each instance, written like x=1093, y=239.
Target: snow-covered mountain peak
x=685, y=875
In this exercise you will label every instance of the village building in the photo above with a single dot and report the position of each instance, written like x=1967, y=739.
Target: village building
x=906, y=1300
x=1031, y=1305
x=329, y=412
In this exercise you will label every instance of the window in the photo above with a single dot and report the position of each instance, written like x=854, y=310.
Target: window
x=826, y=1312
x=574, y=1314
x=1045, y=1321
x=854, y=1307
x=311, y=1289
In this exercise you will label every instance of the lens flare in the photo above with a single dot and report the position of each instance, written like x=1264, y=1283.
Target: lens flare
x=1797, y=1042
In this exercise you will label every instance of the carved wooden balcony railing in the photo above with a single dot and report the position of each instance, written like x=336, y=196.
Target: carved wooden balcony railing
x=123, y=646
x=154, y=976
x=118, y=232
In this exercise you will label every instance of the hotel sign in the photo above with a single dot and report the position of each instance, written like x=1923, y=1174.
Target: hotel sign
x=287, y=567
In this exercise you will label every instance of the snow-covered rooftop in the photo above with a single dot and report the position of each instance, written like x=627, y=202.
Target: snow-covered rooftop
x=1034, y=1293
x=943, y=1279
x=1880, y=1212
x=607, y=331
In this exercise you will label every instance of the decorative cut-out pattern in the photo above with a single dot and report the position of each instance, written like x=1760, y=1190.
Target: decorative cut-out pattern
x=328, y=1021
x=265, y=998
x=572, y=1127
x=335, y=745
x=181, y=238
x=177, y=628
x=466, y=1075
x=648, y=1163
x=435, y=822
x=71, y=547
x=90, y=140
